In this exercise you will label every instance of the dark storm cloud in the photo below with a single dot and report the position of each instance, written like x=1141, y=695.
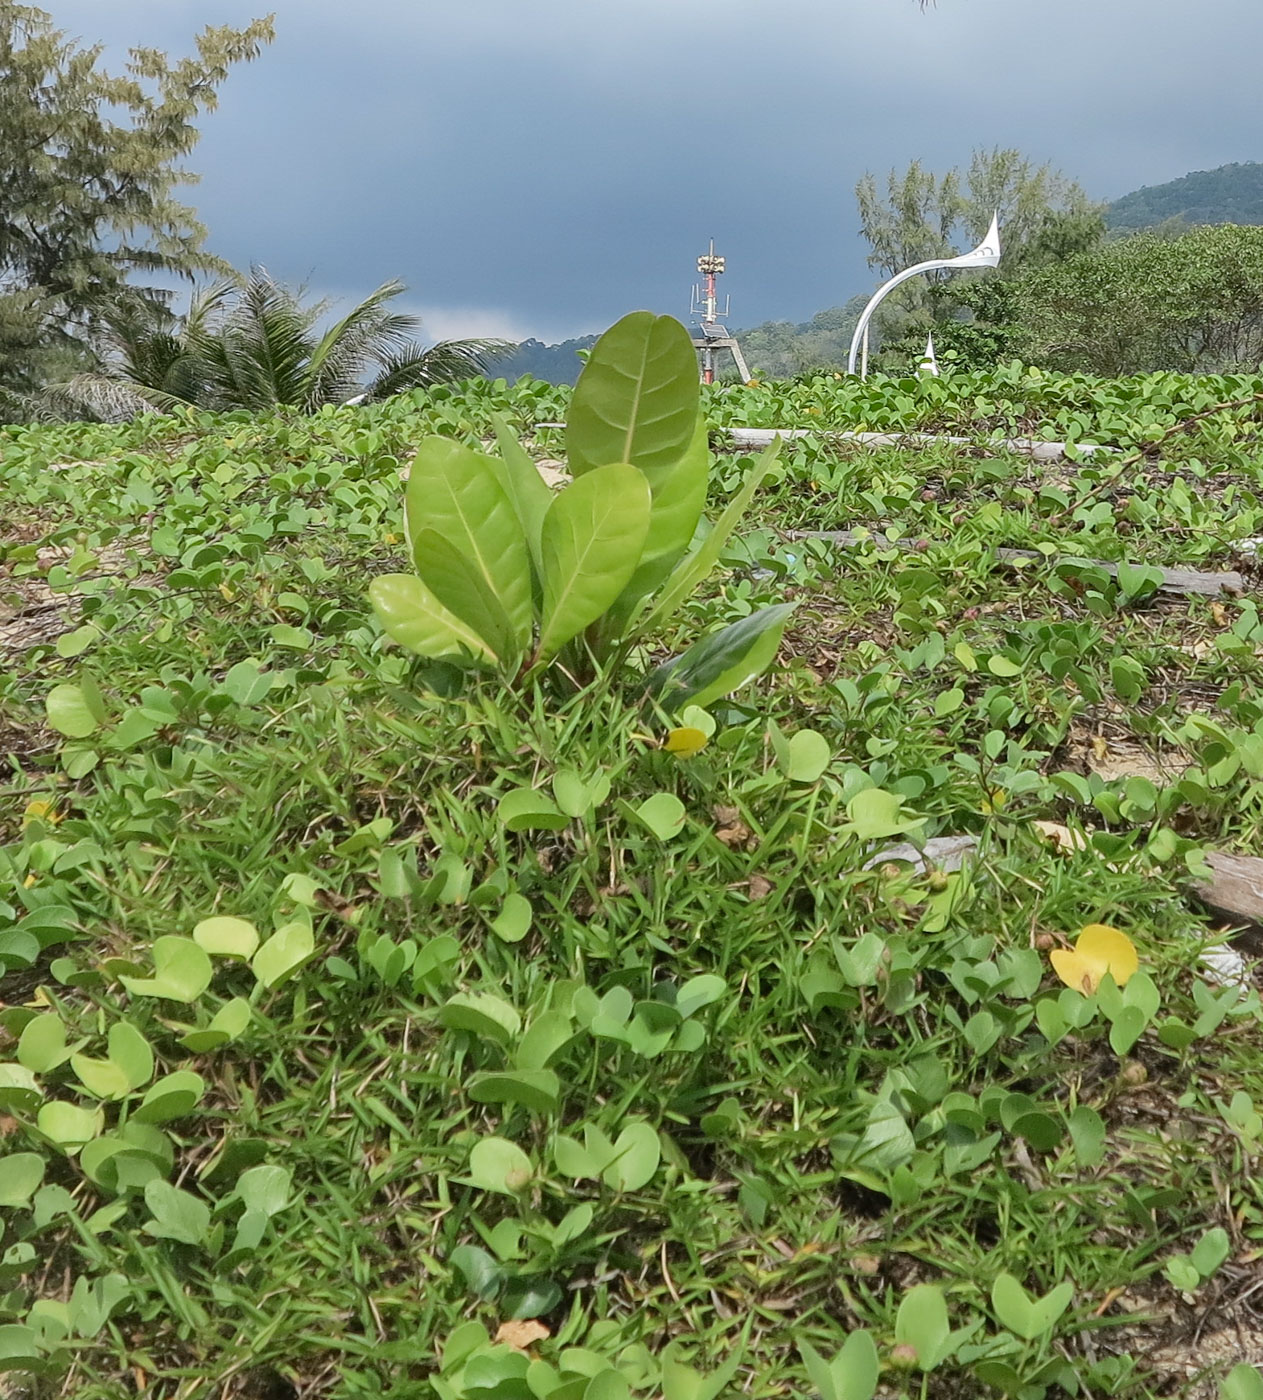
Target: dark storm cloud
x=544, y=167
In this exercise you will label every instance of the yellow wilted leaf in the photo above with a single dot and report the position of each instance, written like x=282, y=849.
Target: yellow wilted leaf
x=1099, y=949
x=40, y=810
x=685, y=742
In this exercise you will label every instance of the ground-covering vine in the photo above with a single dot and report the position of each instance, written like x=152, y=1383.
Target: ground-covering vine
x=374, y=1030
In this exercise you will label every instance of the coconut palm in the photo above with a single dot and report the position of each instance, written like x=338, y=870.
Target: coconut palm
x=253, y=344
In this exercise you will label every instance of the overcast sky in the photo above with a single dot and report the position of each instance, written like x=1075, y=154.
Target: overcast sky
x=539, y=167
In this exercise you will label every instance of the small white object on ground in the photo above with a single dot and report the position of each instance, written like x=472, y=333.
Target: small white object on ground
x=945, y=853
x=1224, y=966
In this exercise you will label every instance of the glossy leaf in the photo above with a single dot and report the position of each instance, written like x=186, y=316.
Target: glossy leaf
x=177, y=1215
x=637, y=396
x=679, y=496
x=413, y=617
x=69, y=1125
x=174, y=1096
x=524, y=486
x=591, y=543
x=922, y=1323
x=538, y=1090
x=695, y=567
x=225, y=1025
x=465, y=590
x=722, y=662
x=637, y=1155
x=71, y=711
x=458, y=494
x=527, y=809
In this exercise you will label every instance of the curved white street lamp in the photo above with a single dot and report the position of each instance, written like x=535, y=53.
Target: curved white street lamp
x=986, y=254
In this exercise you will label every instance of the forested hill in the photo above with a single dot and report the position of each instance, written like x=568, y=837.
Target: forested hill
x=1229, y=194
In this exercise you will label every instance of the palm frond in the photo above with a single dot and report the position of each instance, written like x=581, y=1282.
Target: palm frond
x=99, y=398
x=446, y=362
x=362, y=338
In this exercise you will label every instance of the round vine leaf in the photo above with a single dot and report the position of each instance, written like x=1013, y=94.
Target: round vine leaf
x=20, y=1349
x=172, y=1097
x=68, y=1125
x=42, y=1044
x=524, y=809
x=513, y=922
x=483, y=1014
x=496, y=1164
x=71, y=712
x=286, y=951
x=20, y=1177
x=538, y=1090
x=663, y=814
x=19, y=1093
x=182, y=971
x=225, y=1026
x=637, y=1155
x=227, y=937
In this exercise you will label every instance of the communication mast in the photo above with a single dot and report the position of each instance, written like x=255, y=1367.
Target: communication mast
x=705, y=309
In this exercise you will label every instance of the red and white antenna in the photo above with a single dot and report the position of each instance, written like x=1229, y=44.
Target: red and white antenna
x=705, y=308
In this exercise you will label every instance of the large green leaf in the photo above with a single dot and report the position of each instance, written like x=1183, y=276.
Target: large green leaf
x=412, y=616
x=693, y=569
x=465, y=590
x=679, y=496
x=459, y=494
x=591, y=542
x=636, y=400
x=722, y=662
x=525, y=487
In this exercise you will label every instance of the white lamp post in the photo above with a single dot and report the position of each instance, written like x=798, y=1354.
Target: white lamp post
x=986, y=254
x=929, y=361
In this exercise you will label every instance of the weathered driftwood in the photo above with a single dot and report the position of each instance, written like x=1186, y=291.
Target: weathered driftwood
x=1235, y=892
x=1179, y=581
x=1032, y=447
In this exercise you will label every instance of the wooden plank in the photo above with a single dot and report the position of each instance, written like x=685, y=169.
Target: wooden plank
x=1032, y=447
x=1235, y=893
x=1177, y=581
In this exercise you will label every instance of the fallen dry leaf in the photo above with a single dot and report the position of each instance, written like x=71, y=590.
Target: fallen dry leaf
x=1220, y=614
x=731, y=830
x=1061, y=836
x=521, y=1335
x=760, y=887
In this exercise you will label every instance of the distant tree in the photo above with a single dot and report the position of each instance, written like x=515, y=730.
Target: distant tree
x=88, y=166
x=1044, y=217
x=1193, y=303
x=255, y=345
x=780, y=348
x=922, y=216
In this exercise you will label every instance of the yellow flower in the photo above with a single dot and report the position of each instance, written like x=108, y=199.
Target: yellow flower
x=1098, y=950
